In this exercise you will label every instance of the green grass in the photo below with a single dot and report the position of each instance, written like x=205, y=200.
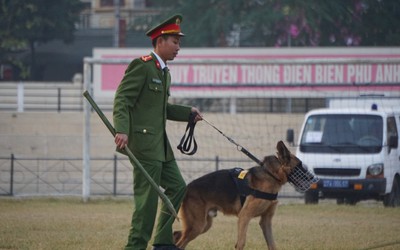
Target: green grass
x=67, y=223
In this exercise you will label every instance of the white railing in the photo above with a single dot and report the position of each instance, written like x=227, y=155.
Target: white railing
x=43, y=96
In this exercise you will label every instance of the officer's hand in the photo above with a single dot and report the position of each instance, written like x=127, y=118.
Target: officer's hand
x=199, y=116
x=121, y=140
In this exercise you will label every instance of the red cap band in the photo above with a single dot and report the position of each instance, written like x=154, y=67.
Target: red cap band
x=165, y=30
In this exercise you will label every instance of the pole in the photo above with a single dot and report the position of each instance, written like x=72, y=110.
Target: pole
x=232, y=106
x=116, y=23
x=59, y=100
x=12, y=175
x=133, y=159
x=20, y=94
x=115, y=176
x=86, y=137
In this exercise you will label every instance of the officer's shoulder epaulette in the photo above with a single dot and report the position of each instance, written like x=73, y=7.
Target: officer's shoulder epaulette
x=146, y=58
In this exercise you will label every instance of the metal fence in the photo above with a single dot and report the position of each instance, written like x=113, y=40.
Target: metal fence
x=111, y=176
x=46, y=176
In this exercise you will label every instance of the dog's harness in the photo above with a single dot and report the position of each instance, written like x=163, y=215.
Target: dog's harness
x=239, y=178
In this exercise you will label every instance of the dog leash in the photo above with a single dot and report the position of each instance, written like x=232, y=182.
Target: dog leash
x=238, y=146
x=242, y=149
x=187, y=139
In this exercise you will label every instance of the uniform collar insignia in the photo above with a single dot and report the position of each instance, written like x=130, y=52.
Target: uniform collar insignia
x=158, y=64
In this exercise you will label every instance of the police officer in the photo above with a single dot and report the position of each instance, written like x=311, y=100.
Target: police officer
x=140, y=112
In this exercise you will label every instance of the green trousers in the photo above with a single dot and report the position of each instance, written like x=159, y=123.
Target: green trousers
x=168, y=176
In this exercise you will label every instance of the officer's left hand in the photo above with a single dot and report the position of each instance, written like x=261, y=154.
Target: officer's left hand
x=199, y=116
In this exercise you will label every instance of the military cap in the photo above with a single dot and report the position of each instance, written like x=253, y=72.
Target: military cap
x=171, y=26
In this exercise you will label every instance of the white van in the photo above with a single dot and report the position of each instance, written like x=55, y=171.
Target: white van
x=354, y=152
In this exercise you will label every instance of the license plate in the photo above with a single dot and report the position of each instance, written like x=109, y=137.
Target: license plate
x=335, y=183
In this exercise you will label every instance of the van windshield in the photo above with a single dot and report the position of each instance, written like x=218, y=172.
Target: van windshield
x=342, y=133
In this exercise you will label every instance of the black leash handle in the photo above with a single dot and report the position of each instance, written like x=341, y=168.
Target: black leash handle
x=187, y=139
x=251, y=156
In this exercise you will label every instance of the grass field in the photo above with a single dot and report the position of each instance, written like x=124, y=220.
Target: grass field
x=67, y=223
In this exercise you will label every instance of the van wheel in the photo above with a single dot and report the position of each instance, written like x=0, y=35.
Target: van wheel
x=393, y=198
x=311, y=197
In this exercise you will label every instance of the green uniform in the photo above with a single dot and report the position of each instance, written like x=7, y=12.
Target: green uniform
x=141, y=109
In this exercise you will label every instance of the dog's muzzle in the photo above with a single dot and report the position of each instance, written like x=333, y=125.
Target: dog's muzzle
x=301, y=179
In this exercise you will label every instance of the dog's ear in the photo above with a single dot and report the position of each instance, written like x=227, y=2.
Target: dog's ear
x=283, y=152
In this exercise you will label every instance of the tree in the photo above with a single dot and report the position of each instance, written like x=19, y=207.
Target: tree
x=380, y=21
x=26, y=23
x=288, y=22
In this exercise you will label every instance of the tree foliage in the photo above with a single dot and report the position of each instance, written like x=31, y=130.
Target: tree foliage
x=288, y=22
x=26, y=23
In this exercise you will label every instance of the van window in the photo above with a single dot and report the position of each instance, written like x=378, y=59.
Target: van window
x=342, y=133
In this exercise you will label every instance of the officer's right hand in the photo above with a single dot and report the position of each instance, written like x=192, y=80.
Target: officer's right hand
x=121, y=140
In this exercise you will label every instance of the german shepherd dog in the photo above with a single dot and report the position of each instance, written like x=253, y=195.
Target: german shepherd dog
x=219, y=191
